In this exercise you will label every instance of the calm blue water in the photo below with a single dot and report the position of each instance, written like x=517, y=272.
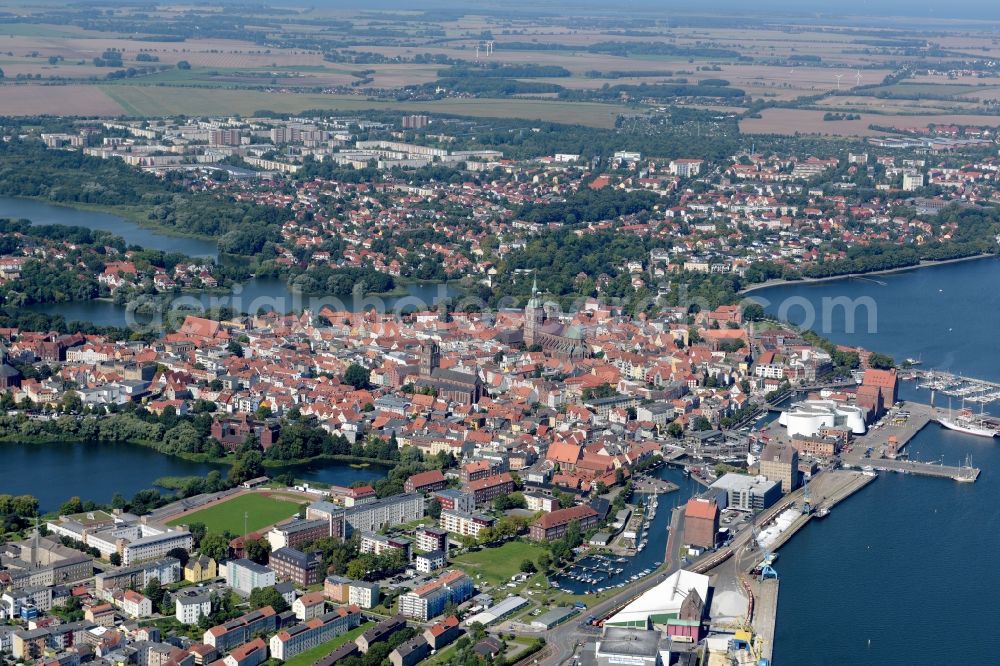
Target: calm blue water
x=95, y=471
x=250, y=296
x=908, y=561
x=335, y=473
x=654, y=551
x=946, y=316
x=43, y=213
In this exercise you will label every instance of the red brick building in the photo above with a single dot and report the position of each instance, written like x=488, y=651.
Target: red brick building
x=554, y=525
x=233, y=432
x=485, y=490
x=425, y=482
x=878, y=391
x=701, y=522
x=480, y=469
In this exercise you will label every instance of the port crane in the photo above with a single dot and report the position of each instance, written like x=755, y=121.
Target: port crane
x=806, y=498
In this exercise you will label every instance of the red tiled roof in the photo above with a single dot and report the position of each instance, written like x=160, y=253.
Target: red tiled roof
x=563, y=516
x=701, y=509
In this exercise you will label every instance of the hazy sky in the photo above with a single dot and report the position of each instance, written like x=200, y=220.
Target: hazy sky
x=958, y=9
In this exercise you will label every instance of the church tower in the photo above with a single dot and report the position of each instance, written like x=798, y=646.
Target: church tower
x=534, y=316
x=430, y=358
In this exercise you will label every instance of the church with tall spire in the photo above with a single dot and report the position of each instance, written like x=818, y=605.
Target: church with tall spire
x=548, y=333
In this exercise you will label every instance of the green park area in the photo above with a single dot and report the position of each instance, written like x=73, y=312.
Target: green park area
x=260, y=510
x=309, y=657
x=497, y=565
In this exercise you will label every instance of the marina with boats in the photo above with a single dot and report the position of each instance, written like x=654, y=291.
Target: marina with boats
x=968, y=389
x=965, y=390
x=640, y=547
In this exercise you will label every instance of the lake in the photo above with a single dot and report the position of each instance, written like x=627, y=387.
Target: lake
x=40, y=212
x=54, y=472
x=249, y=296
x=908, y=558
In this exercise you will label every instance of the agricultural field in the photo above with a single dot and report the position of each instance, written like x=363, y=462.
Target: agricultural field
x=79, y=100
x=167, y=100
x=262, y=511
x=345, y=60
x=497, y=565
x=804, y=121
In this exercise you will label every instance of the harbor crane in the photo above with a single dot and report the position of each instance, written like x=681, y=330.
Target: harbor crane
x=806, y=497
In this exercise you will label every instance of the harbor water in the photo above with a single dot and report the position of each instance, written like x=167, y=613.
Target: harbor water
x=591, y=573
x=900, y=573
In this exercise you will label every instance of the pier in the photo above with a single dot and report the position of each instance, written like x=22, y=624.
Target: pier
x=765, y=612
x=968, y=389
x=962, y=474
x=651, y=485
x=888, y=446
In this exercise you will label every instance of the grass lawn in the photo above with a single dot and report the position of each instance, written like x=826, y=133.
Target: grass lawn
x=497, y=565
x=308, y=657
x=261, y=511
x=442, y=657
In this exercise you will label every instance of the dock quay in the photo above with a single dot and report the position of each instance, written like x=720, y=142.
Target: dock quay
x=653, y=485
x=827, y=491
x=765, y=612
x=961, y=474
x=887, y=446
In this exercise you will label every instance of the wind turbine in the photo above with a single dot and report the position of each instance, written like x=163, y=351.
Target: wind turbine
x=838, y=77
x=857, y=77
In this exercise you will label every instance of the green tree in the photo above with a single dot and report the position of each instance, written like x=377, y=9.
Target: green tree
x=197, y=531
x=268, y=596
x=180, y=555
x=528, y=567
x=701, y=423
x=357, y=569
x=357, y=376
x=258, y=550
x=753, y=312
x=434, y=508
x=216, y=546
x=249, y=466
x=544, y=561
x=71, y=402
x=115, y=559
x=71, y=506
x=881, y=361
x=154, y=592
x=675, y=429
